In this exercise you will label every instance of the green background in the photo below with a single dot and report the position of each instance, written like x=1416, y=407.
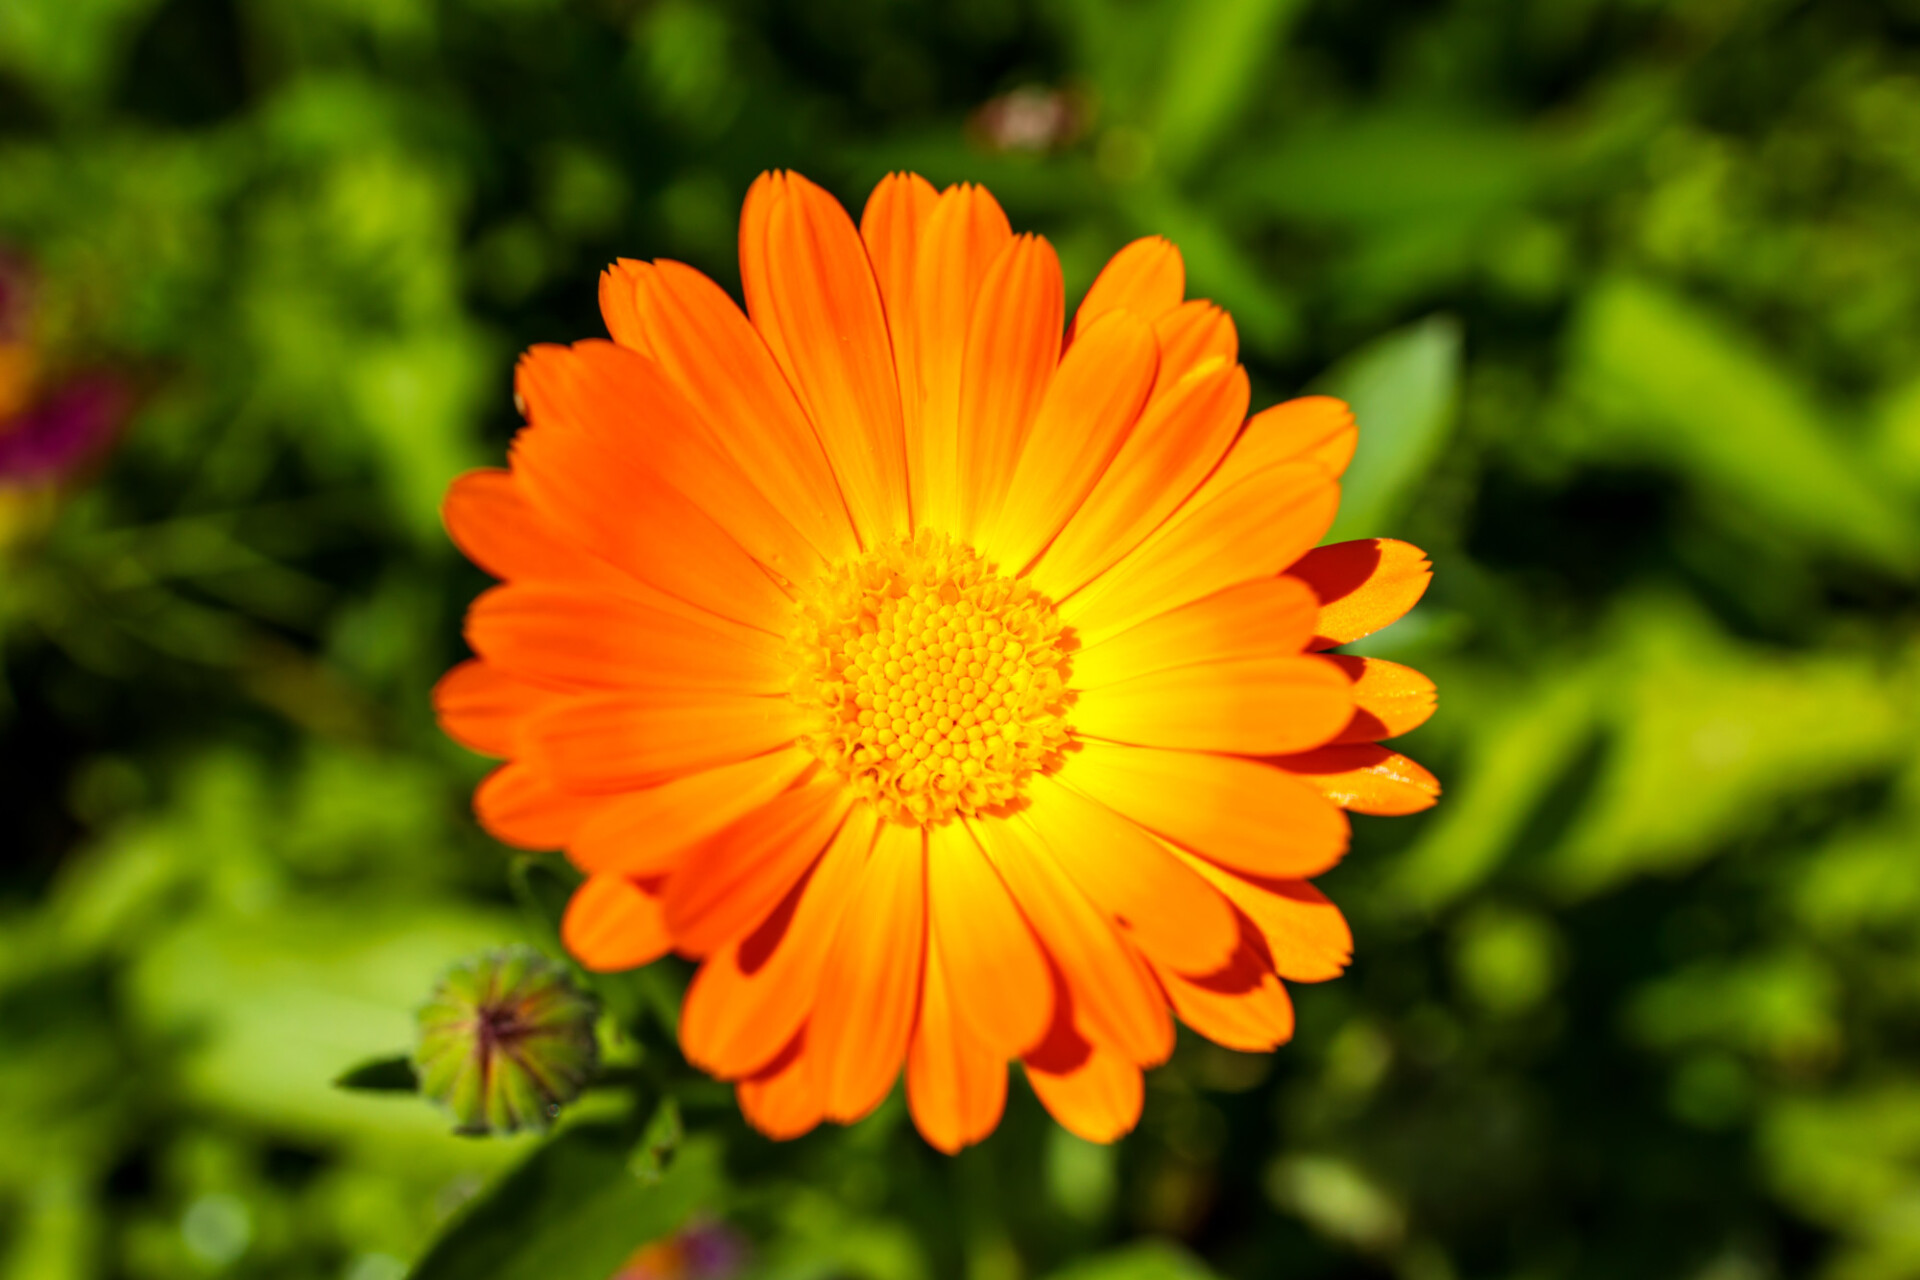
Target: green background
x=1627, y=295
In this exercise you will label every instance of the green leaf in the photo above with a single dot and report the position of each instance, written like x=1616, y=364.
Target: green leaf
x=543, y=886
x=1525, y=741
x=1403, y=389
x=381, y=1075
x=67, y=49
x=572, y=1211
x=1217, y=50
x=657, y=1144
x=1681, y=386
x=1148, y=1260
x=1391, y=167
x=1710, y=736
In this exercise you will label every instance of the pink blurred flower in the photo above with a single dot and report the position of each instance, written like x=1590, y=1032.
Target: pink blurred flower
x=1031, y=119
x=700, y=1251
x=51, y=439
x=49, y=429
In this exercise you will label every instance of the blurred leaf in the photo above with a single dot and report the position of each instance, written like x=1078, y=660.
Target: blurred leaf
x=1217, y=49
x=1864, y=882
x=1118, y=45
x=381, y=1075
x=56, y=1234
x=268, y=1002
x=681, y=59
x=1396, y=165
x=1523, y=744
x=1506, y=959
x=1896, y=441
x=658, y=1142
x=1338, y=1199
x=419, y=399
x=1683, y=387
x=543, y=885
x=821, y=1236
x=1711, y=737
x=570, y=1211
x=1403, y=389
x=1782, y=1007
x=1082, y=1177
x=1842, y=1161
x=66, y=48
x=1148, y=1260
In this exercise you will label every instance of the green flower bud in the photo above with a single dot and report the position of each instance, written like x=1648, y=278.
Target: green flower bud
x=505, y=1040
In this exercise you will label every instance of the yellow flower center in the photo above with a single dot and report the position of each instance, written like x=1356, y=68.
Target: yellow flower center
x=937, y=685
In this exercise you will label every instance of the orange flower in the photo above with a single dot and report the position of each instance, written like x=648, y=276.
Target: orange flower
x=951, y=691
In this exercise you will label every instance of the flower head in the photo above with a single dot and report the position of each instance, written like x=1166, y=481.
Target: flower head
x=954, y=690
x=505, y=1040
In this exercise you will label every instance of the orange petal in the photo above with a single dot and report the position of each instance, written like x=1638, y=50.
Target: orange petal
x=1178, y=440
x=592, y=637
x=649, y=431
x=1239, y=813
x=1013, y=347
x=612, y=923
x=1172, y=915
x=1362, y=586
x=1241, y=1006
x=617, y=305
x=784, y=1100
x=995, y=967
x=1258, y=706
x=1088, y=410
x=620, y=739
x=1113, y=1000
x=956, y=1086
x=1308, y=429
x=1192, y=335
x=891, y=225
x=639, y=523
x=483, y=708
x=1366, y=779
x=648, y=833
x=767, y=193
x=811, y=293
x=751, y=996
x=964, y=234
x=492, y=524
x=1148, y=278
x=733, y=881
x=870, y=989
x=1098, y=1098
x=1225, y=535
x=1307, y=938
x=1261, y=618
x=721, y=365
x=1388, y=699
x=519, y=807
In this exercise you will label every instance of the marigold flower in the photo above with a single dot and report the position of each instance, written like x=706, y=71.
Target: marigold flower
x=955, y=693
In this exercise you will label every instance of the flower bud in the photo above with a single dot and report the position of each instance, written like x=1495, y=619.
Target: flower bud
x=505, y=1040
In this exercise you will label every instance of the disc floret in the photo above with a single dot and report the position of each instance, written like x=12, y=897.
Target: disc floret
x=937, y=685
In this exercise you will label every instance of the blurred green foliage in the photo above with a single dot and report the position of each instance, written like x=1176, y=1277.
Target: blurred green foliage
x=1627, y=293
